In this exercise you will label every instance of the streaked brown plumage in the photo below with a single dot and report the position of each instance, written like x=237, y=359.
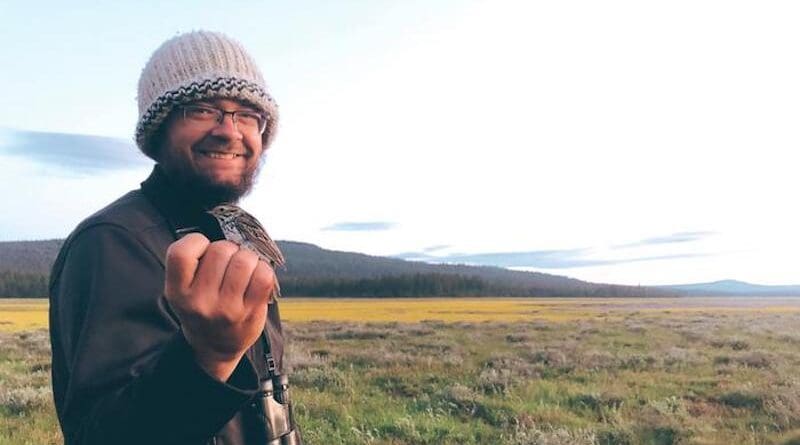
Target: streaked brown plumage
x=242, y=228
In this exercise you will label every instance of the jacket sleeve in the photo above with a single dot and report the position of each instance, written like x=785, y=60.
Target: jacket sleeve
x=122, y=371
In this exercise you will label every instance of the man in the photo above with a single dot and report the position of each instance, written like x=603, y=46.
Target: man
x=159, y=334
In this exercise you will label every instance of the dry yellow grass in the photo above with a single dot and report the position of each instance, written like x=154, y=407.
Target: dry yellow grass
x=23, y=314
x=444, y=309
x=514, y=309
x=17, y=314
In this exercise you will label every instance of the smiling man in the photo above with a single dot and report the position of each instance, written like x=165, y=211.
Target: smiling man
x=162, y=333
x=202, y=150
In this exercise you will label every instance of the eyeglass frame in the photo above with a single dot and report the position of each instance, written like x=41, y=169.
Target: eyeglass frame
x=222, y=113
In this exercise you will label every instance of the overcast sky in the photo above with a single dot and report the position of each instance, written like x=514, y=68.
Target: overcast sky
x=621, y=141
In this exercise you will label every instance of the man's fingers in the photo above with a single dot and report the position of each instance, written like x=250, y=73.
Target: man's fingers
x=259, y=291
x=208, y=279
x=182, y=259
x=237, y=277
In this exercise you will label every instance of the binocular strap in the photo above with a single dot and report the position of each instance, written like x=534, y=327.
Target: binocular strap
x=269, y=360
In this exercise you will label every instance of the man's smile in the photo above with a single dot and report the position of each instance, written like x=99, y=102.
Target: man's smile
x=220, y=154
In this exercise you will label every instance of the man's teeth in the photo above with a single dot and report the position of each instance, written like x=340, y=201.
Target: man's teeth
x=216, y=155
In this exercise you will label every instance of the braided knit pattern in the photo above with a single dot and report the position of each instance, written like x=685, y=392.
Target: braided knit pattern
x=199, y=65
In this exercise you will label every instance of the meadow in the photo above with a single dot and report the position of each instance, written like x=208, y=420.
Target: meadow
x=498, y=371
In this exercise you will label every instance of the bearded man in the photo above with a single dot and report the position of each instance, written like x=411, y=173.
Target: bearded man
x=163, y=331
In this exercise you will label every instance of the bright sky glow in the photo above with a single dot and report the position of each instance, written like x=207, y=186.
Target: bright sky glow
x=623, y=141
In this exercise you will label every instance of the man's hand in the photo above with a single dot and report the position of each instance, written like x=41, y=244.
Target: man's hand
x=220, y=294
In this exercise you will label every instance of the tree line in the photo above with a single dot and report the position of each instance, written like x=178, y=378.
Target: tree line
x=416, y=285
x=27, y=285
x=23, y=285
x=32, y=285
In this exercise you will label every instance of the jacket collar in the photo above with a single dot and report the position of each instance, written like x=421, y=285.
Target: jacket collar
x=182, y=212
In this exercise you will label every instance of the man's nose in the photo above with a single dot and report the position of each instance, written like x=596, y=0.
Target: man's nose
x=227, y=128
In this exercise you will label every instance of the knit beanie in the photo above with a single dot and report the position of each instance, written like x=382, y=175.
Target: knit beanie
x=196, y=66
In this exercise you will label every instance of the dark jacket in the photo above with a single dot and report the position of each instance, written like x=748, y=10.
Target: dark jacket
x=122, y=371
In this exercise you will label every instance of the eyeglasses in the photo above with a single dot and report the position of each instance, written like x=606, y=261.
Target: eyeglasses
x=245, y=120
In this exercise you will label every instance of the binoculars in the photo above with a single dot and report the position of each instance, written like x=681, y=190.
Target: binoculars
x=277, y=411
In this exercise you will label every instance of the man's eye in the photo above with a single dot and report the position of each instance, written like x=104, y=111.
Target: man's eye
x=201, y=112
x=249, y=115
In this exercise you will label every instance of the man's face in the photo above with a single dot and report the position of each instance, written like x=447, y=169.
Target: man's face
x=217, y=160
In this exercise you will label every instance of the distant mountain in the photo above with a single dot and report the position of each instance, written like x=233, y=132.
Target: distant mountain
x=314, y=271
x=309, y=262
x=734, y=288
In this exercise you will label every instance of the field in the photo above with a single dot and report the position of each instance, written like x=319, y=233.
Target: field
x=499, y=371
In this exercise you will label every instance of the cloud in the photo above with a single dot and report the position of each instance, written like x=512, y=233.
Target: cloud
x=369, y=226
x=679, y=237
x=545, y=259
x=76, y=153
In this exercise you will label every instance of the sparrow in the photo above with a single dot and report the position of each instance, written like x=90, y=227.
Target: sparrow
x=242, y=228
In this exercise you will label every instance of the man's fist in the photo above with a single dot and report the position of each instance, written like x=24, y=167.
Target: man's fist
x=220, y=293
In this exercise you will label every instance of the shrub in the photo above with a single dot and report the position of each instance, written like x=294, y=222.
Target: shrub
x=757, y=360
x=495, y=381
x=737, y=399
x=669, y=405
x=320, y=379
x=362, y=333
x=399, y=386
x=599, y=404
x=517, y=338
x=18, y=400
x=596, y=360
x=495, y=414
x=692, y=336
x=614, y=437
x=678, y=357
x=661, y=435
x=636, y=328
x=298, y=358
x=734, y=343
x=549, y=357
x=722, y=360
x=784, y=405
x=460, y=398
x=638, y=362
x=534, y=435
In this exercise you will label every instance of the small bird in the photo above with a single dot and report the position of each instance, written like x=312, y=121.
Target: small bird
x=242, y=228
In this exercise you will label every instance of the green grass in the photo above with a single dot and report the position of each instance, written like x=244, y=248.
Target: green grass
x=638, y=378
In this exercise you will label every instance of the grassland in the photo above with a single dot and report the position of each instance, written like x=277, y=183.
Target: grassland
x=500, y=371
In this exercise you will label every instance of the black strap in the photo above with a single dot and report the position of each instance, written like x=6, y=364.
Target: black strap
x=268, y=359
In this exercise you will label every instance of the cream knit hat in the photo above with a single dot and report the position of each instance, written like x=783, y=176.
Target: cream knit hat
x=195, y=66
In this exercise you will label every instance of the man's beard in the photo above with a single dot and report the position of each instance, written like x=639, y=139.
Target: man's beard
x=206, y=193
x=209, y=194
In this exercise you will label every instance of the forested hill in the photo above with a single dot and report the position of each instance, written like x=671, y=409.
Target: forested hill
x=336, y=273
x=30, y=257
x=313, y=271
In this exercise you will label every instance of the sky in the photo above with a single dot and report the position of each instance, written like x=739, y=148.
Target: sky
x=620, y=142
